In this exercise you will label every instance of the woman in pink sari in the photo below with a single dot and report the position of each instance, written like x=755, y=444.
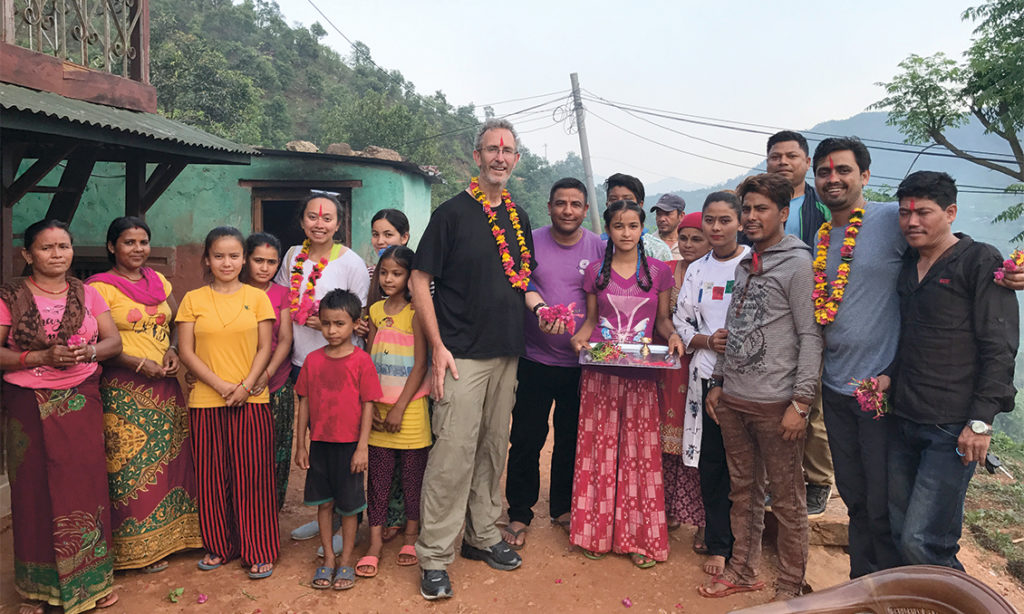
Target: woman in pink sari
x=53, y=330
x=149, y=449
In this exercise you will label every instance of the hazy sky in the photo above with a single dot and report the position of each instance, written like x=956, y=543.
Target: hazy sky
x=788, y=65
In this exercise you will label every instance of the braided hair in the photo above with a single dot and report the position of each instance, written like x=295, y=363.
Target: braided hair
x=643, y=270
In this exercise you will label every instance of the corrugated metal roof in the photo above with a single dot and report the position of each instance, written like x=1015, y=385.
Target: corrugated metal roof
x=136, y=123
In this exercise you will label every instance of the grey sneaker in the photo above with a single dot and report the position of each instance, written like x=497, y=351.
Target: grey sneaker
x=336, y=544
x=312, y=529
x=434, y=584
x=498, y=556
x=817, y=499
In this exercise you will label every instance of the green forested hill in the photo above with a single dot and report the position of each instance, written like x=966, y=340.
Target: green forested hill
x=240, y=71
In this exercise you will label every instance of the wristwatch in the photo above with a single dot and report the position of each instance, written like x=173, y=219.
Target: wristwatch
x=714, y=382
x=537, y=307
x=979, y=427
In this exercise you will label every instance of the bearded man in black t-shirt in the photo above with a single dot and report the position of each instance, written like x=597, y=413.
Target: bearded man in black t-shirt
x=478, y=252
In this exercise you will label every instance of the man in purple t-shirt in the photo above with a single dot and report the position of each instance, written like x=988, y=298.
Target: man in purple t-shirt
x=550, y=371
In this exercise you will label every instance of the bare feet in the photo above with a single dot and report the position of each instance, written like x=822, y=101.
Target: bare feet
x=513, y=534
x=714, y=565
x=699, y=545
x=564, y=521
x=107, y=601
x=389, y=533
x=210, y=561
x=32, y=607
x=407, y=555
x=155, y=567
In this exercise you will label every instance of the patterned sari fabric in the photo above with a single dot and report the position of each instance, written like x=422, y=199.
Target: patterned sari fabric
x=149, y=468
x=59, y=500
x=282, y=407
x=618, y=500
x=682, y=483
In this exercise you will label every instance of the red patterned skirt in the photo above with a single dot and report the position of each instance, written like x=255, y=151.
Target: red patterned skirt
x=59, y=500
x=618, y=499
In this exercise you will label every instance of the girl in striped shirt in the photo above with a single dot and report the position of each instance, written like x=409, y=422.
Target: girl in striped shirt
x=401, y=426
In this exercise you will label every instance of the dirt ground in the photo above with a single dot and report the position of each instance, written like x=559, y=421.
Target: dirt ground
x=554, y=577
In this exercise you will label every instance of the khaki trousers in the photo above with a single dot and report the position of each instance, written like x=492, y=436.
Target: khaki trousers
x=818, y=468
x=462, y=482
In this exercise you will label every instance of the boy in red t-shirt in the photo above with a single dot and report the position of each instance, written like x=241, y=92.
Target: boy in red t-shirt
x=337, y=386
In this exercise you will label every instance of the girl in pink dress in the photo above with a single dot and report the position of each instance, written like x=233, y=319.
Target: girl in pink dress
x=618, y=499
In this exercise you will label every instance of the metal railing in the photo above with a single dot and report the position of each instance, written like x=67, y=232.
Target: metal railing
x=105, y=35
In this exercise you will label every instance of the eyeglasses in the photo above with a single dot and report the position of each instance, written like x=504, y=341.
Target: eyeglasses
x=494, y=150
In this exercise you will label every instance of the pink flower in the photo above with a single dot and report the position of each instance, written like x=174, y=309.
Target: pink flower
x=999, y=274
x=1010, y=265
x=202, y=598
x=627, y=602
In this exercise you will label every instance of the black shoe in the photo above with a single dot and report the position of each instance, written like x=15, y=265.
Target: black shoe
x=498, y=556
x=434, y=584
x=817, y=499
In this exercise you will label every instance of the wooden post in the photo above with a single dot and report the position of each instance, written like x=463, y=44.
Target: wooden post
x=134, y=187
x=140, y=40
x=7, y=21
x=72, y=183
x=159, y=180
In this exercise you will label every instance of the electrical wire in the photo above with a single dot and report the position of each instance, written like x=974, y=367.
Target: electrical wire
x=387, y=74
x=492, y=104
x=710, y=121
x=475, y=126
x=968, y=189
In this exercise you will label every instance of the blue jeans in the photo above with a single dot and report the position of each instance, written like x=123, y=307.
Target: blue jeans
x=927, y=485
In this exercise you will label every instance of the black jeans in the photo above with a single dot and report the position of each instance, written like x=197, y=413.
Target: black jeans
x=859, y=454
x=714, y=484
x=539, y=385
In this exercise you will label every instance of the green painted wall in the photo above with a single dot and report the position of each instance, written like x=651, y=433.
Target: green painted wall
x=205, y=196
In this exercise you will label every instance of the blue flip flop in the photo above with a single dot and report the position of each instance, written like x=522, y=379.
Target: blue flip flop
x=259, y=575
x=344, y=573
x=209, y=566
x=325, y=574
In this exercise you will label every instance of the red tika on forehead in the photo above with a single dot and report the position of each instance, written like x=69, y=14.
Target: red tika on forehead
x=320, y=212
x=831, y=163
x=911, y=204
x=501, y=141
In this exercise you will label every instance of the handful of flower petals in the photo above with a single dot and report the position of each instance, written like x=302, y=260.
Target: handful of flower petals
x=559, y=313
x=1014, y=263
x=869, y=397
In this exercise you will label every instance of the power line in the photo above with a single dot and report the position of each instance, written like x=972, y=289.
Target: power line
x=387, y=74
x=667, y=146
x=475, y=126
x=769, y=130
x=491, y=104
x=965, y=188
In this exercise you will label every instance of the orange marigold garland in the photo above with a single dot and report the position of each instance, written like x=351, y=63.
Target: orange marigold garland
x=303, y=304
x=826, y=304
x=521, y=279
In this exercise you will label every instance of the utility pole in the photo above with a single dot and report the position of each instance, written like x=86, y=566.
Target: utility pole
x=595, y=217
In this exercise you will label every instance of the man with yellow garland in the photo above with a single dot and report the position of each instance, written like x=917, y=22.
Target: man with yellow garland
x=477, y=249
x=860, y=310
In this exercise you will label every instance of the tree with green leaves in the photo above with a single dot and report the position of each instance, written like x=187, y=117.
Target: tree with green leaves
x=935, y=94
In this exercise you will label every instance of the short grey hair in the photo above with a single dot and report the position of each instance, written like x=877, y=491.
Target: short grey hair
x=495, y=123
